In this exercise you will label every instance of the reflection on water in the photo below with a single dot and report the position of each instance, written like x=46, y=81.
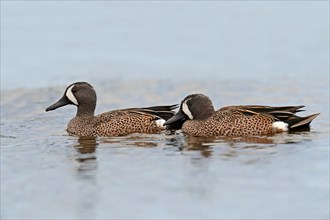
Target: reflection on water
x=132, y=140
x=247, y=150
x=201, y=144
x=253, y=140
x=86, y=145
x=86, y=148
x=86, y=174
x=142, y=140
x=206, y=144
x=228, y=147
x=251, y=152
x=137, y=170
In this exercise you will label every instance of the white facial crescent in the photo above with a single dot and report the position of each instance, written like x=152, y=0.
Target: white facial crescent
x=70, y=95
x=186, y=110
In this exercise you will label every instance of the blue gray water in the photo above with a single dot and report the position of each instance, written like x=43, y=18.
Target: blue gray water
x=150, y=53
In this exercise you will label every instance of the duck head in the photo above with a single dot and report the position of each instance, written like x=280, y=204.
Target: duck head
x=193, y=107
x=80, y=94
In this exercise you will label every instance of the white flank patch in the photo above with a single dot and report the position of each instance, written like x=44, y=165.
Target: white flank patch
x=160, y=123
x=70, y=95
x=280, y=125
x=186, y=110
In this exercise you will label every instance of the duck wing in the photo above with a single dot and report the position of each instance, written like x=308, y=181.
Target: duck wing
x=286, y=114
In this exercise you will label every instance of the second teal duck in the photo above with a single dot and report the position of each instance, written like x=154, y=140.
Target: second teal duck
x=198, y=117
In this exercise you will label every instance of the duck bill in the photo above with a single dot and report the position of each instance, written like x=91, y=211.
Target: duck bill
x=176, y=121
x=62, y=102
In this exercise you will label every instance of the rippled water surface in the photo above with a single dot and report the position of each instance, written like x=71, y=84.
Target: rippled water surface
x=45, y=172
x=138, y=54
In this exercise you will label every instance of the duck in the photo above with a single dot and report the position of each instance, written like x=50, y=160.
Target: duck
x=148, y=120
x=197, y=117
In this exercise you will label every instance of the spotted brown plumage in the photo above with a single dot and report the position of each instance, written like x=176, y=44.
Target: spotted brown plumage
x=197, y=117
x=112, y=123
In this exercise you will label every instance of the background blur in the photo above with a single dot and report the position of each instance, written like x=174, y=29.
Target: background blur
x=55, y=42
x=143, y=53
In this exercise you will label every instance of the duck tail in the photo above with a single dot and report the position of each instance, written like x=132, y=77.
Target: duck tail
x=162, y=107
x=164, y=111
x=297, y=123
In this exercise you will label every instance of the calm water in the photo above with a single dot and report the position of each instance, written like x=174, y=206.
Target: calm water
x=145, y=53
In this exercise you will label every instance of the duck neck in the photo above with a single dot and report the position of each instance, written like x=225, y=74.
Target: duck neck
x=207, y=112
x=85, y=110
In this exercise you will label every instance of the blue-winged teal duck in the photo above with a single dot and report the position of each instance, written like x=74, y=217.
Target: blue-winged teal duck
x=112, y=123
x=197, y=117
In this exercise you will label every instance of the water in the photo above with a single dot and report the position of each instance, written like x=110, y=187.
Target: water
x=136, y=55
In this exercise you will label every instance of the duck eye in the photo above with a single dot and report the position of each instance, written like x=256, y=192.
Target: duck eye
x=74, y=89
